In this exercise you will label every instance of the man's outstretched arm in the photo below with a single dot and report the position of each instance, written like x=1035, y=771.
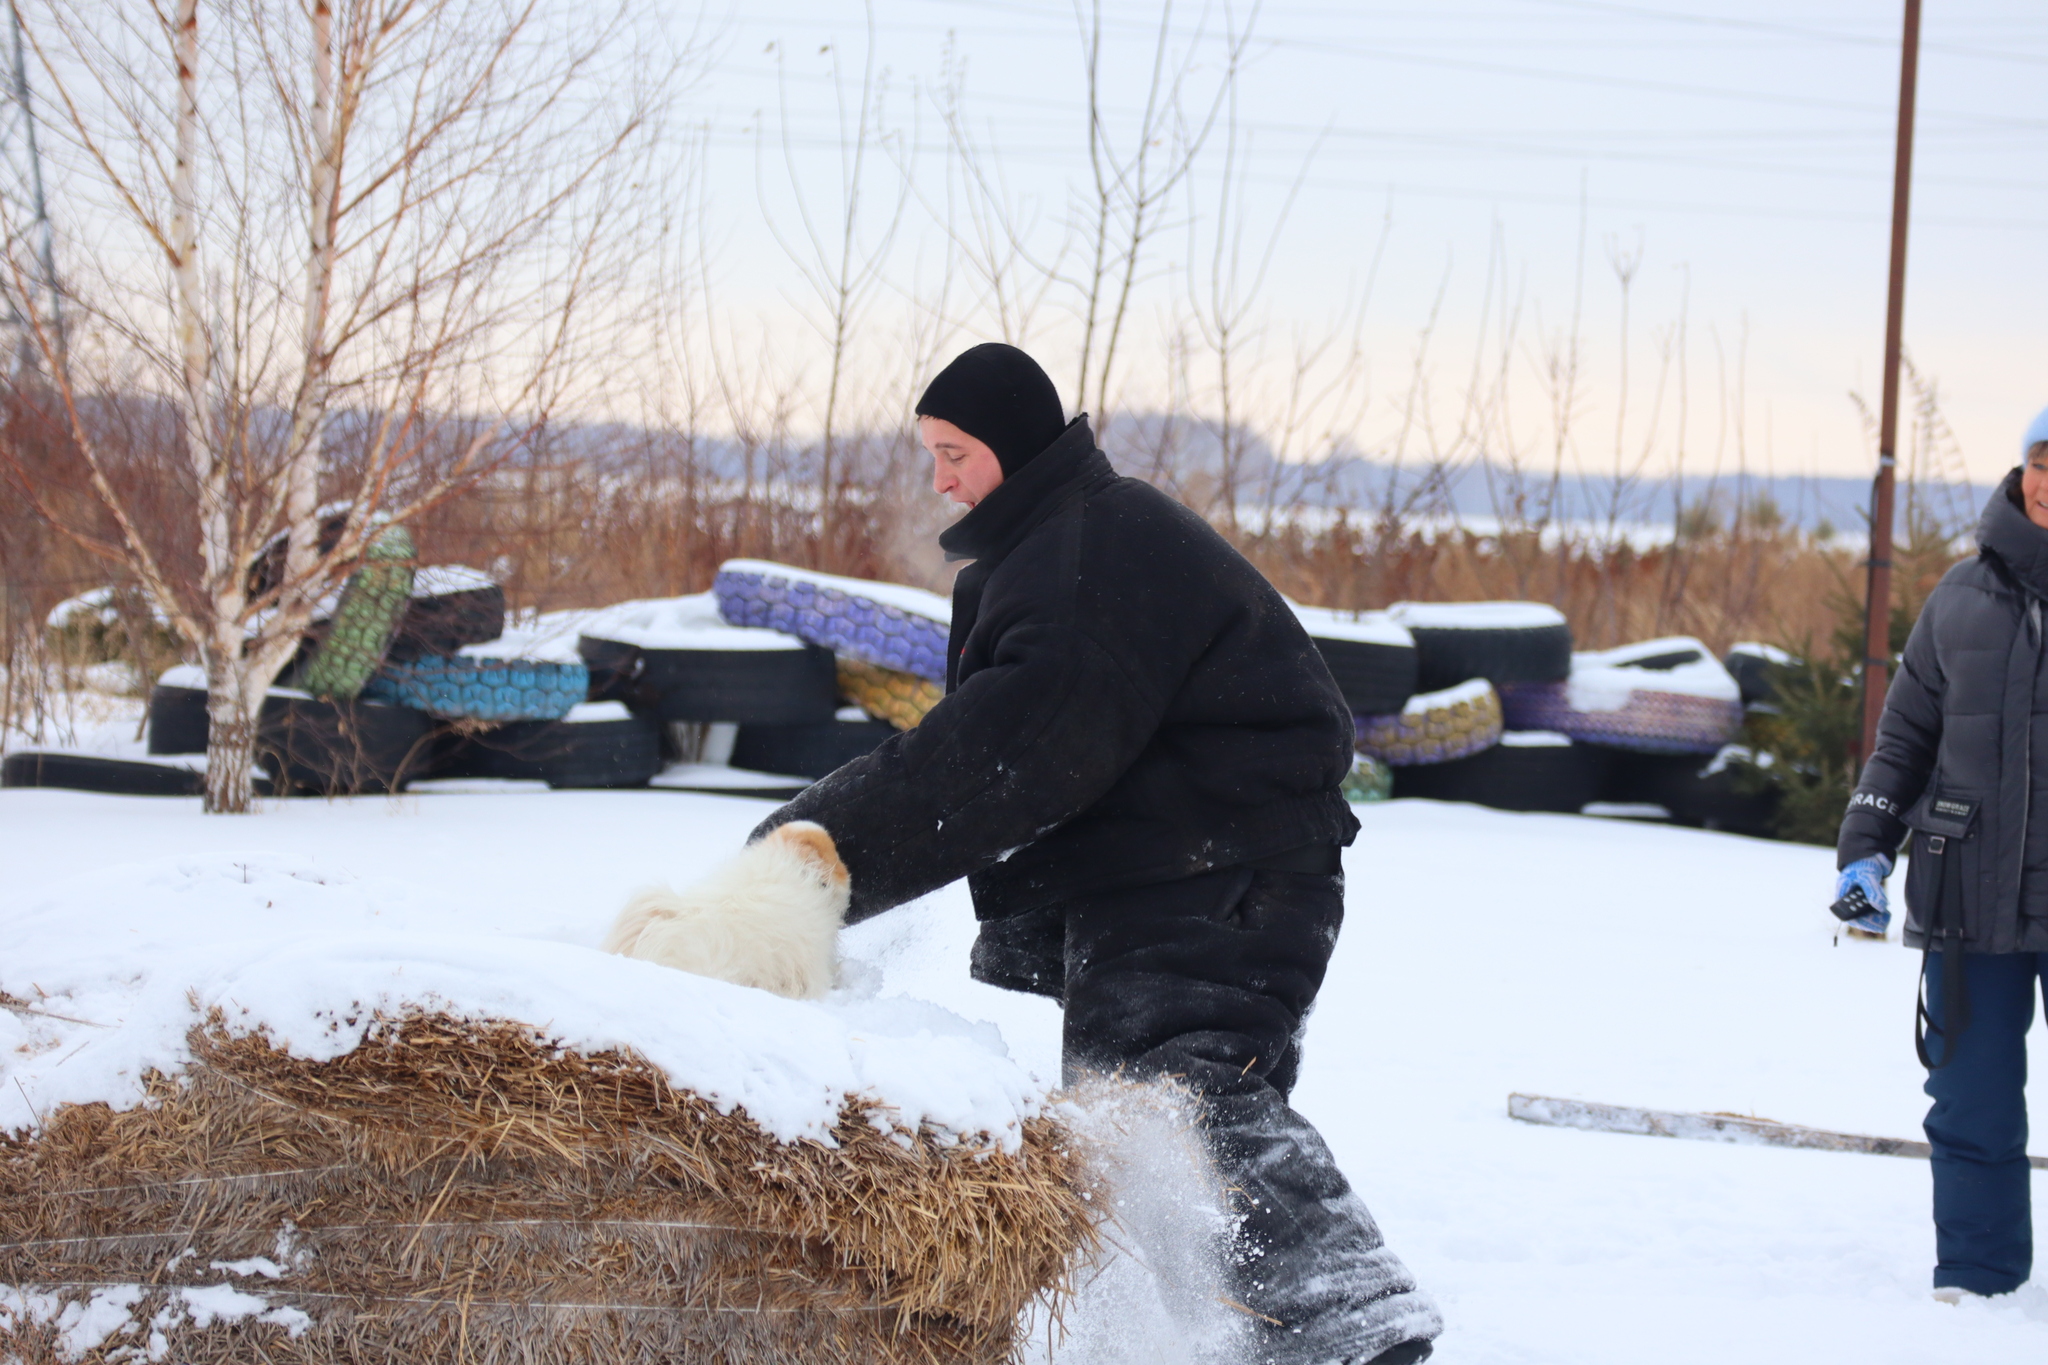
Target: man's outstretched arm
x=1020, y=748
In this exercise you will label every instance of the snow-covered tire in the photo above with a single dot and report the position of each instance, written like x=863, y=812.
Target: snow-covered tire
x=603, y=746
x=887, y=624
x=499, y=690
x=1372, y=656
x=320, y=748
x=1435, y=727
x=1526, y=771
x=177, y=719
x=1694, y=789
x=614, y=668
x=902, y=699
x=451, y=607
x=1662, y=696
x=1756, y=669
x=749, y=686
x=84, y=772
x=807, y=750
x=689, y=663
x=372, y=603
x=1502, y=642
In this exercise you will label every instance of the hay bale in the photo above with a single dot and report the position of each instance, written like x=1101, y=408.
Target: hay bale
x=456, y=1190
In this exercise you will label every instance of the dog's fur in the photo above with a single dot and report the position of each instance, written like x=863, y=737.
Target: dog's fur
x=769, y=918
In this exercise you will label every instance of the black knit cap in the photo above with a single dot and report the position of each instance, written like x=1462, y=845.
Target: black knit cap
x=998, y=395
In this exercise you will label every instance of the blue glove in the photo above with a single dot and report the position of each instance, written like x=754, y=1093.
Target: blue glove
x=1859, y=895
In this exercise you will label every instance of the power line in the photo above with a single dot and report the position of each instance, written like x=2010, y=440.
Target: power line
x=1889, y=44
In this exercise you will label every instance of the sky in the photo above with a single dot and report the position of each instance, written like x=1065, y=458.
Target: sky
x=1504, y=164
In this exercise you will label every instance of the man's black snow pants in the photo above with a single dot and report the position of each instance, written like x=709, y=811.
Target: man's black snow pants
x=1209, y=980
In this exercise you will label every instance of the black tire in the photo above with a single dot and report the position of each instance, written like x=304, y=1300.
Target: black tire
x=1695, y=789
x=320, y=748
x=82, y=772
x=1375, y=679
x=746, y=686
x=807, y=750
x=177, y=720
x=1449, y=652
x=441, y=624
x=1513, y=775
x=1756, y=673
x=1371, y=657
x=561, y=753
x=614, y=669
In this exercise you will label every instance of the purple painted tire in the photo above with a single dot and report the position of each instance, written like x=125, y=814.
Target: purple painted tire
x=1651, y=723
x=884, y=624
x=1659, y=697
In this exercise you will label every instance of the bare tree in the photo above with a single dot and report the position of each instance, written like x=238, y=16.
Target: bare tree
x=841, y=260
x=414, y=212
x=1133, y=178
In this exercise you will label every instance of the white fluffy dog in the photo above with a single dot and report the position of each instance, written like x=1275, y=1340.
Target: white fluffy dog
x=769, y=918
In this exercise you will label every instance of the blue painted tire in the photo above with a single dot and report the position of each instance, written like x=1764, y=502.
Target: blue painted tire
x=500, y=690
x=834, y=613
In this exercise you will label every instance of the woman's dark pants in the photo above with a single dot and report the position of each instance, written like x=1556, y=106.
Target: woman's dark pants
x=1209, y=980
x=1983, y=1213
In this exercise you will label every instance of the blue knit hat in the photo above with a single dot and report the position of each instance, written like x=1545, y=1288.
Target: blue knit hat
x=2037, y=432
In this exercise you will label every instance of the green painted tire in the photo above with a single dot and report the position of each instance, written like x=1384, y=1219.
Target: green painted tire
x=372, y=604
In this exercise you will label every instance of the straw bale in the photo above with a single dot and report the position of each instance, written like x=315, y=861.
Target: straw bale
x=454, y=1190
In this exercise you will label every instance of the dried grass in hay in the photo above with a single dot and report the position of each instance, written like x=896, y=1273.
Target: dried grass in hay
x=461, y=1191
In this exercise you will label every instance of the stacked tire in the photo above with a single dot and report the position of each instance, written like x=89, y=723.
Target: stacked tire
x=1445, y=741
x=1663, y=714
x=1528, y=770
x=305, y=745
x=680, y=662
x=1371, y=656
x=887, y=643
x=1667, y=696
x=451, y=607
x=594, y=745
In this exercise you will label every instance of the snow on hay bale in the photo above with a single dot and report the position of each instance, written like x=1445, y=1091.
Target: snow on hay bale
x=464, y=1190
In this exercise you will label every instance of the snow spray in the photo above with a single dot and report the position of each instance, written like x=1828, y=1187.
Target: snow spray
x=1154, y=1294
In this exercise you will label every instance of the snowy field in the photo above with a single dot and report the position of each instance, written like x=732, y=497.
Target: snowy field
x=1485, y=953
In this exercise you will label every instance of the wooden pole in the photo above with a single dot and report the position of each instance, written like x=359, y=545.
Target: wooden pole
x=1878, y=604
x=1737, y=1128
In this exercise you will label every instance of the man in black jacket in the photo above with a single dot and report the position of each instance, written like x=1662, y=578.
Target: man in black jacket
x=1136, y=767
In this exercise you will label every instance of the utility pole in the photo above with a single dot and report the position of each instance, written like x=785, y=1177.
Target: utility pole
x=23, y=164
x=1878, y=605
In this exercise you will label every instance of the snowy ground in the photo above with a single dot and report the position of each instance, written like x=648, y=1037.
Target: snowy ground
x=1485, y=953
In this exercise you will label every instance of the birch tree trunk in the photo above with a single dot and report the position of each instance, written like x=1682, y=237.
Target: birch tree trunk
x=231, y=719
x=309, y=406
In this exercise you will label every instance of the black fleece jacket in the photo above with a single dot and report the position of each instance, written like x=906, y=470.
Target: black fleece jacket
x=1130, y=701
x=1967, y=718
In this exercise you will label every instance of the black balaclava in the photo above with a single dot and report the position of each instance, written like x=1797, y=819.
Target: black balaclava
x=998, y=395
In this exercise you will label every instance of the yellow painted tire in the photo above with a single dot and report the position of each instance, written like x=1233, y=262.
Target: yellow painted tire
x=1435, y=727
x=887, y=693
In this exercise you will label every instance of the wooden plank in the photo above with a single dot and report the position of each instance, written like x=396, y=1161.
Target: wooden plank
x=1621, y=1118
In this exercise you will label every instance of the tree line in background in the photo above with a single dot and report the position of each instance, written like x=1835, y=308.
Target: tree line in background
x=391, y=255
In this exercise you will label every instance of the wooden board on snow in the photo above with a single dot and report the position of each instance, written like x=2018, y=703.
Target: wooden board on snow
x=1621, y=1118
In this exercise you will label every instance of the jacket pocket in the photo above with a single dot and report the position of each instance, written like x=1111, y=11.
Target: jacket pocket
x=1942, y=875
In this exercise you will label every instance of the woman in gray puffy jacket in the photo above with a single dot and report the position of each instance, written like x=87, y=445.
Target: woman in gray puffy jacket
x=1961, y=767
